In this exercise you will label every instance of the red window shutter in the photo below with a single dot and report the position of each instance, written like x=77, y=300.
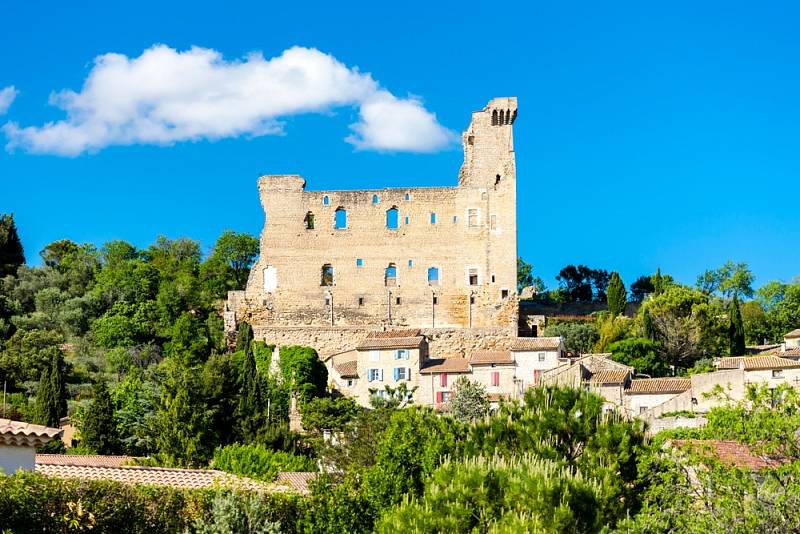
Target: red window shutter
x=495, y=378
x=535, y=376
x=443, y=380
x=438, y=397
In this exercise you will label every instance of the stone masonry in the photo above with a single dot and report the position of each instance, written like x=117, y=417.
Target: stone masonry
x=336, y=264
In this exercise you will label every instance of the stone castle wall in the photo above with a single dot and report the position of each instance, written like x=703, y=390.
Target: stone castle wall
x=467, y=233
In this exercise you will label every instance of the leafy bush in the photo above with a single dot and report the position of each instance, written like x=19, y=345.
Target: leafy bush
x=259, y=462
x=302, y=368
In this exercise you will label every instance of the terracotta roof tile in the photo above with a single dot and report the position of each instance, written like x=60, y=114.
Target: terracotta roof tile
x=348, y=369
x=20, y=433
x=94, y=460
x=391, y=343
x=644, y=386
x=789, y=353
x=762, y=349
x=768, y=362
x=731, y=453
x=794, y=334
x=610, y=376
x=535, y=343
x=729, y=362
x=150, y=476
x=446, y=365
x=296, y=481
x=485, y=357
x=385, y=334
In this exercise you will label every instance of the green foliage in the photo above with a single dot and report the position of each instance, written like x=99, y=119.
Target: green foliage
x=641, y=354
x=582, y=284
x=736, y=329
x=579, y=337
x=233, y=512
x=641, y=287
x=525, y=277
x=469, y=401
x=46, y=402
x=27, y=353
x=98, y=428
x=391, y=397
x=305, y=373
x=259, y=462
x=251, y=411
x=486, y=495
x=730, y=280
x=617, y=295
x=11, y=252
x=611, y=328
x=329, y=413
x=336, y=508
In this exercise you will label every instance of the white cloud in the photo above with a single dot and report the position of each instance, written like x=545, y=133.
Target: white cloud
x=7, y=96
x=165, y=96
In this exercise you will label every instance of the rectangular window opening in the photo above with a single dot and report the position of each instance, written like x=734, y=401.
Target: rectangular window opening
x=397, y=301
x=504, y=293
x=359, y=262
x=433, y=218
x=472, y=217
x=360, y=301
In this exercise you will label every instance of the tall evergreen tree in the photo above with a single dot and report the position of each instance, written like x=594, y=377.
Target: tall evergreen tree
x=98, y=430
x=11, y=253
x=736, y=329
x=244, y=336
x=57, y=381
x=658, y=282
x=46, y=401
x=617, y=295
x=250, y=412
x=647, y=325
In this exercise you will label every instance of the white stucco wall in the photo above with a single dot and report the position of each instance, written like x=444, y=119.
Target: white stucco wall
x=528, y=362
x=15, y=457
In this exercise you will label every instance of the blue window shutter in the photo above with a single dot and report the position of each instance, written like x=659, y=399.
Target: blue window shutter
x=396, y=373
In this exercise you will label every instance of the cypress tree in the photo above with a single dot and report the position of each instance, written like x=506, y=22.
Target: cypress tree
x=658, y=282
x=244, y=336
x=57, y=382
x=647, y=325
x=98, y=431
x=249, y=413
x=736, y=329
x=46, y=402
x=11, y=253
x=617, y=295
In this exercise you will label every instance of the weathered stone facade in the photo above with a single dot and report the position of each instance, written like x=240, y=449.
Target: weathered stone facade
x=332, y=266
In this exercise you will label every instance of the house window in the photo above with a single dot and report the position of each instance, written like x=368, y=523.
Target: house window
x=402, y=373
x=541, y=356
x=391, y=218
x=350, y=382
x=401, y=354
x=374, y=199
x=390, y=275
x=340, y=219
x=433, y=276
x=441, y=396
x=443, y=380
x=374, y=355
x=433, y=218
x=327, y=275
x=374, y=375
x=495, y=378
x=309, y=220
x=359, y=262
x=472, y=275
x=493, y=278
x=642, y=409
x=777, y=373
x=472, y=218
x=325, y=200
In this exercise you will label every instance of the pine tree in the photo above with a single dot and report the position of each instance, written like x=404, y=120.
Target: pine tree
x=46, y=402
x=250, y=412
x=736, y=329
x=98, y=430
x=11, y=253
x=617, y=295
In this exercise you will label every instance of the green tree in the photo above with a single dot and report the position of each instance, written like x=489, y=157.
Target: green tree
x=12, y=256
x=469, y=401
x=251, y=412
x=244, y=336
x=237, y=251
x=641, y=287
x=46, y=401
x=57, y=369
x=731, y=279
x=658, y=282
x=525, y=278
x=617, y=295
x=736, y=329
x=329, y=413
x=98, y=427
x=579, y=337
x=611, y=328
x=303, y=371
x=641, y=354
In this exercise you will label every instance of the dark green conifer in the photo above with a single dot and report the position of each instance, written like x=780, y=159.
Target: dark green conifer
x=617, y=295
x=11, y=253
x=736, y=329
x=98, y=430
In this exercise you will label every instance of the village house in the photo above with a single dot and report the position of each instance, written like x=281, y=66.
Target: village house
x=18, y=442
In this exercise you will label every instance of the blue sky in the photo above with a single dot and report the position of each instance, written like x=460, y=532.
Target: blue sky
x=647, y=135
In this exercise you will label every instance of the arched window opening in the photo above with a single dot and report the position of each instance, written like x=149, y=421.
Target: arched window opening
x=325, y=200
x=408, y=196
x=433, y=276
x=508, y=116
x=327, y=275
x=391, y=218
x=390, y=278
x=374, y=199
x=494, y=118
x=340, y=220
x=502, y=117
x=309, y=220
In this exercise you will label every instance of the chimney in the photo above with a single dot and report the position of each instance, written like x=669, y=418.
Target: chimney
x=783, y=346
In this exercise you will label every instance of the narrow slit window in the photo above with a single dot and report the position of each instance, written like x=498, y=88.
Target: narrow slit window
x=390, y=277
x=327, y=275
x=309, y=221
x=397, y=301
x=374, y=199
x=433, y=218
x=391, y=218
x=435, y=300
x=360, y=301
x=433, y=276
x=408, y=196
x=340, y=220
x=410, y=263
x=325, y=200
x=406, y=221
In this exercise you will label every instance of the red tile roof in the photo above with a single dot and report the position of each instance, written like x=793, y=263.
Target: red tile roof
x=654, y=386
x=756, y=363
x=610, y=376
x=484, y=357
x=731, y=453
x=94, y=460
x=535, y=343
x=150, y=476
x=296, y=481
x=384, y=334
x=391, y=343
x=20, y=433
x=446, y=365
x=348, y=369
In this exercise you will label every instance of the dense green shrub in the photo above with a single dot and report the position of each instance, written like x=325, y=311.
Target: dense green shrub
x=259, y=462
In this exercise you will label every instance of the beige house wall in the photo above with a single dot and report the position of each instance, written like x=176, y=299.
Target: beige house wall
x=432, y=384
x=635, y=404
x=482, y=374
x=528, y=362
